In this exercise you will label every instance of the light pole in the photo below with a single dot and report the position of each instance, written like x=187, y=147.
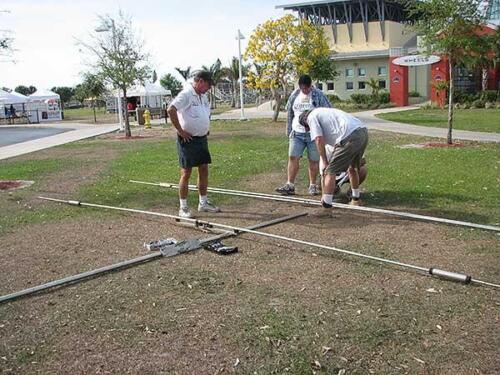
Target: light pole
x=240, y=36
x=109, y=25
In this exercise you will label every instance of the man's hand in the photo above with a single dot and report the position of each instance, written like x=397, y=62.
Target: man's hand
x=186, y=136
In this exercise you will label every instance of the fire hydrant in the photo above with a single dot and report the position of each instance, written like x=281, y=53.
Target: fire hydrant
x=147, y=119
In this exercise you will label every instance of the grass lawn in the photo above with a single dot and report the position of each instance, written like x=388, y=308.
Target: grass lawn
x=87, y=115
x=273, y=308
x=481, y=120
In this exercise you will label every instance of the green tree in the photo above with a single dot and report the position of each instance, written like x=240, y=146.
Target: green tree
x=285, y=48
x=94, y=88
x=448, y=27
x=185, y=73
x=484, y=54
x=66, y=93
x=25, y=90
x=217, y=73
x=375, y=87
x=232, y=72
x=169, y=82
x=119, y=57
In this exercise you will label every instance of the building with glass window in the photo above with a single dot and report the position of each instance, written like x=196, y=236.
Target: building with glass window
x=365, y=37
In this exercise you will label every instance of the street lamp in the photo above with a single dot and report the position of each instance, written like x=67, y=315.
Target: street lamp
x=240, y=36
x=106, y=26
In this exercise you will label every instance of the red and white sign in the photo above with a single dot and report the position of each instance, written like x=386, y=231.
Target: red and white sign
x=416, y=60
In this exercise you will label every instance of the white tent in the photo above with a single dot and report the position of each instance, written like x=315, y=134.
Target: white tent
x=149, y=89
x=44, y=106
x=42, y=95
x=12, y=97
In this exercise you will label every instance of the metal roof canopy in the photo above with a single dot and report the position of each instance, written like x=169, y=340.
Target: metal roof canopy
x=337, y=12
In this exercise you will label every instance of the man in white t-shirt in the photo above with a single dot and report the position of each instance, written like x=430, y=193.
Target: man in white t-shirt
x=349, y=136
x=190, y=115
x=305, y=98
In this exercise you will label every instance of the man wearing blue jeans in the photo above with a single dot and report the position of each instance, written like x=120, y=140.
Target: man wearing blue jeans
x=303, y=99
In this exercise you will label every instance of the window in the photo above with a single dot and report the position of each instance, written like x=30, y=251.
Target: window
x=330, y=86
x=361, y=85
x=361, y=72
x=349, y=72
x=320, y=86
x=349, y=86
x=382, y=84
x=382, y=71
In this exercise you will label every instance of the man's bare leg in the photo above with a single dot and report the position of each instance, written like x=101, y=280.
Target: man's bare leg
x=293, y=168
x=184, y=182
x=203, y=179
x=313, y=171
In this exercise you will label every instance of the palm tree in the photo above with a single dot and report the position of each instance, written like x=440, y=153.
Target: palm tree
x=217, y=73
x=233, y=73
x=185, y=73
x=375, y=86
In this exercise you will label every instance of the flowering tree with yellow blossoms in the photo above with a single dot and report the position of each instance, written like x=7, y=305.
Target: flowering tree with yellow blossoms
x=285, y=48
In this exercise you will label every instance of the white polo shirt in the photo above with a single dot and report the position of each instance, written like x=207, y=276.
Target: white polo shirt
x=193, y=111
x=301, y=104
x=333, y=124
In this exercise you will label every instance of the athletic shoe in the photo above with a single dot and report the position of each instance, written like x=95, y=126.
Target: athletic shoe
x=313, y=190
x=185, y=213
x=208, y=207
x=355, y=202
x=286, y=189
x=325, y=205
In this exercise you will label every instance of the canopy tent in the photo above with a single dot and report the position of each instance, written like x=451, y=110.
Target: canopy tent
x=42, y=95
x=149, y=89
x=149, y=95
x=12, y=97
x=44, y=106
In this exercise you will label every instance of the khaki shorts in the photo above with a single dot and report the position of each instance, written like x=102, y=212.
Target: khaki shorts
x=349, y=152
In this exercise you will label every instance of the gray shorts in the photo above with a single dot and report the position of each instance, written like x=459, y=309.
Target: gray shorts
x=349, y=152
x=193, y=153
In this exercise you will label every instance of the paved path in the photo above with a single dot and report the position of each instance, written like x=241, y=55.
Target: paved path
x=11, y=135
x=69, y=132
x=378, y=124
x=397, y=127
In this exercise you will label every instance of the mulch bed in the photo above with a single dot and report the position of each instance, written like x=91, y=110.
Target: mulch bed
x=14, y=184
x=442, y=145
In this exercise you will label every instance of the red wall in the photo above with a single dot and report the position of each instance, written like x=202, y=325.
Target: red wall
x=398, y=86
x=439, y=72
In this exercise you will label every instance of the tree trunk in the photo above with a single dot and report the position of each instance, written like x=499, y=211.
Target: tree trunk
x=93, y=107
x=277, y=101
x=128, y=133
x=450, y=104
x=484, y=81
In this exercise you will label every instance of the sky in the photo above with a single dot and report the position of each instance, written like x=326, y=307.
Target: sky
x=177, y=33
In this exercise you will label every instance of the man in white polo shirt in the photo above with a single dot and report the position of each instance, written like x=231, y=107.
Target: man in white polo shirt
x=349, y=136
x=190, y=115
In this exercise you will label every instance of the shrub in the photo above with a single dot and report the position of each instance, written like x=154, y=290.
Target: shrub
x=489, y=96
x=489, y=105
x=361, y=98
x=384, y=97
x=478, y=104
x=333, y=98
x=462, y=97
x=414, y=94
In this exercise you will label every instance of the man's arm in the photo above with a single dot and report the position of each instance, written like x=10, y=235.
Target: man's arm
x=320, y=145
x=172, y=113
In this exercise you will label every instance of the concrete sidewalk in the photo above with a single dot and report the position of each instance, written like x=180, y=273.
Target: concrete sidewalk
x=76, y=132
x=376, y=123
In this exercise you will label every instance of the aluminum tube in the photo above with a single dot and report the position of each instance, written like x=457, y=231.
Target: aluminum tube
x=131, y=262
x=313, y=202
x=264, y=234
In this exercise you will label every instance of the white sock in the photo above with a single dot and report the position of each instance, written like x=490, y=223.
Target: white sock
x=355, y=193
x=203, y=199
x=184, y=203
x=328, y=198
x=291, y=184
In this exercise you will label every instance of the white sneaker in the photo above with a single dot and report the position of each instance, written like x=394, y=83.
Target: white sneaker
x=208, y=207
x=185, y=213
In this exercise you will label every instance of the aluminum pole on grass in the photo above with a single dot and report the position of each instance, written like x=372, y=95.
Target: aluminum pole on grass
x=312, y=202
x=433, y=271
x=136, y=261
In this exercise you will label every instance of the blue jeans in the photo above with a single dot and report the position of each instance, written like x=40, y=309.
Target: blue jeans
x=299, y=142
